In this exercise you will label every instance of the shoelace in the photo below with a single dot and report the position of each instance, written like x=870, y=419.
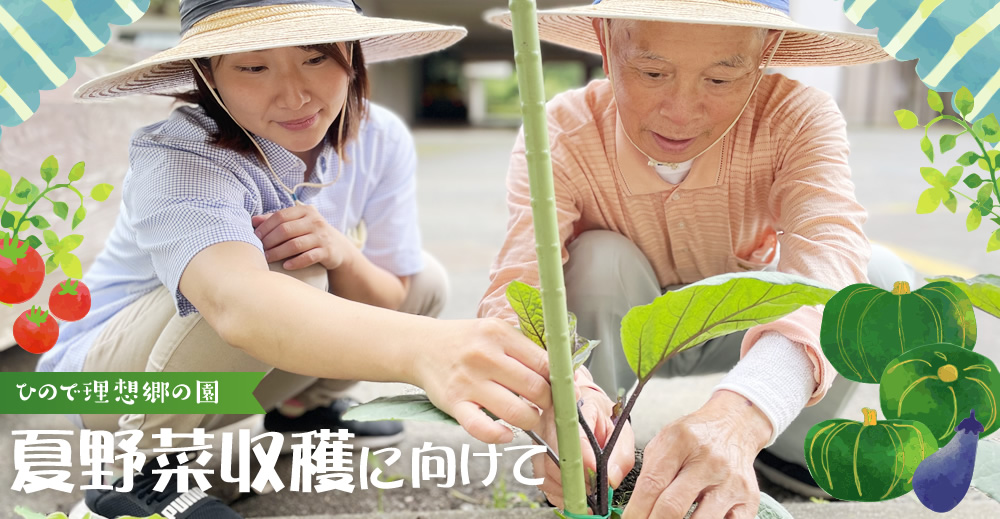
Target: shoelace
x=145, y=481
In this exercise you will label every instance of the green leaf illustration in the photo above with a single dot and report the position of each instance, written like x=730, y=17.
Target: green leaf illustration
x=985, y=193
x=927, y=148
x=77, y=172
x=993, y=154
x=70, y=265
x=983, y=290
x=16, y=215
x=416, y=408
x=990, y=128
x=985, y=206
x=907, y=119
x=933, y=177
x=950, y=202
x=994, y=243
x=51, y=240
x=33, y=242
x=929, y=201
x=526, y=301
x=948, y=143
x=39, y=222
x=101, y=192
x=51, y=264
x=5, y=183
x=49, y=169
x=973, y=181
x=965, y=101
x=78, y=216
x=24, y=192
x=709, y=308
x=986, y=475
x=60, y=209
x=953, y=177
x=934, y=101
x=968, y=158
x=7, y=220
x=70, y=242
x=974, y=220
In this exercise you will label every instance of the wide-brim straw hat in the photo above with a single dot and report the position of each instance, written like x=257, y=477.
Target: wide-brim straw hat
x=801, y=46
x=232, y=26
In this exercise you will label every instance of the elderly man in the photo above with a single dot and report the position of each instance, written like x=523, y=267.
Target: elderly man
x=690, y=162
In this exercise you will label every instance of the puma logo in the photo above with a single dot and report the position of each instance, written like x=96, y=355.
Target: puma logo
x=183, y=503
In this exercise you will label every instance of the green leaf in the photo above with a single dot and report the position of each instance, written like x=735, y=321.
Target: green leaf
x=965, y=101
x=983, y=290
x=581, y=354
x=996, y=220
x=77, y=172
x=948, y=143
x=968, y=158
x=986, y=206
x=24, y=192
x=992, y=154
x=101, y=192
x=33, y=242
x=950, y=202
x=526, y=301
x=907, y=119
x=50, y=168
x=70, y=242
x=401, y=407
x=927, y=148
x=771, y=509
x=973, y=181
x=986, y=475
x=78, y=216
x=5, y=183
x=933, y=177
x=687, y=317
x=27, y=514
x=994, y=243
x=990, y=128
x=7, y=220
x=934, y=101
x=985, y=193
x=70, y=265
x=16, y=215
x=974, y=220
x=60, y=209
x=51, y=264
x=39, y=222
x=953, y=177
x=51, y=240
x=929, y=201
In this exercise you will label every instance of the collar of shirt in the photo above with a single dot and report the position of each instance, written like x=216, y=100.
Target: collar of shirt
x=290, y=168
x=639, y=178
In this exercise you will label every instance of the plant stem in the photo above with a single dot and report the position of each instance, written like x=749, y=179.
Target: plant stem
x=971, y=200
x=609, y=447
x=48, y=190
x=548, y=450
x=528, y=57
x=982, y=147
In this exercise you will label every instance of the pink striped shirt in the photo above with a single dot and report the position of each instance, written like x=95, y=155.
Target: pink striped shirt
x=778, y=181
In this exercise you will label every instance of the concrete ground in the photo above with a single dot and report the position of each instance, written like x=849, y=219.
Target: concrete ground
x=463, y=217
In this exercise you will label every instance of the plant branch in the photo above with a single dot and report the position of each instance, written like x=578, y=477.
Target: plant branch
x=609, y=447
x=17, y=226
x=548, y=450
x=602, y=471
x=963, y=195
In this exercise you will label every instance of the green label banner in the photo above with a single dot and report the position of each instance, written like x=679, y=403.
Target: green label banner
x=129, y=393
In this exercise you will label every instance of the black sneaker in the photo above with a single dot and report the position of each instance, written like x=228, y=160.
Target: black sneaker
x=374, y=435
x=790, y=476
x=144, y=501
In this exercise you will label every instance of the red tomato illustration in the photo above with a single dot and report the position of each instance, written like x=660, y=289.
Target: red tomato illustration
x=21, y=271
x=35, y=331
x=70, y=300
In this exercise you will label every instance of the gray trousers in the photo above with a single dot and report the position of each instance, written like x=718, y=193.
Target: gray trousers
x=607, y=275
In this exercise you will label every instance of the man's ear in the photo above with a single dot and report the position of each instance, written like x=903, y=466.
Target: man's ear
x=770, y=41
x=599, y=33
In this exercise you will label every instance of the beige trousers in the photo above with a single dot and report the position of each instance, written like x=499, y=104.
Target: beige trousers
x=150, y=336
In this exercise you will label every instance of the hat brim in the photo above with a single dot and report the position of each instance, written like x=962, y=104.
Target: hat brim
x=801, y=46
x=170, y=72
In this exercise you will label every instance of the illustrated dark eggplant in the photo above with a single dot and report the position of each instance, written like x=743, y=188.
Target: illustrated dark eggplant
x=942, y=480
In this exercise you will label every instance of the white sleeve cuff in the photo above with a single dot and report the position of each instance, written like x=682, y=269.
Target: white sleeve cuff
x=777, y=376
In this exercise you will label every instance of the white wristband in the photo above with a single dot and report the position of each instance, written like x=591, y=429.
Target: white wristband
x=777, y=376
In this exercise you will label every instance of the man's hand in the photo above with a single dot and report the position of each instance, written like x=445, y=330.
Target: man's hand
x=597, y=409
x=705, y=457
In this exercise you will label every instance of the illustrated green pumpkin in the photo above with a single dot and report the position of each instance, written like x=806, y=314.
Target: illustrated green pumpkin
x=865, y=327
x=867, y=461
x=939, y=384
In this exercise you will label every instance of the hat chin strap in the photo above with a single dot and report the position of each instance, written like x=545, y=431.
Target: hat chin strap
x=340, y=134
x=673, y=165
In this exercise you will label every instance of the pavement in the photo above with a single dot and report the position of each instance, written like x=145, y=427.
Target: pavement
x=463, y=217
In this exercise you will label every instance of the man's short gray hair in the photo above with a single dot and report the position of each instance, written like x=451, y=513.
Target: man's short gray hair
x=620, y=27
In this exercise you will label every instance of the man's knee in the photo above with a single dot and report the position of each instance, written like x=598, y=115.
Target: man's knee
x=886, y=268
x=600, y=260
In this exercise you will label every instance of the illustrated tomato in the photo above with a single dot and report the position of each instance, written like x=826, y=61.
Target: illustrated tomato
x=21, y=271
x=35, y=331
x=70, y=300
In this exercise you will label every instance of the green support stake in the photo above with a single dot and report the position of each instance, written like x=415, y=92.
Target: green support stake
x=528, y=56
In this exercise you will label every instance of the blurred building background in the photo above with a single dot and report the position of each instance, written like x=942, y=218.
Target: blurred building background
x=473, y=83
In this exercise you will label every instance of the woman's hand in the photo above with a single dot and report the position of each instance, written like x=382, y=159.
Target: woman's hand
x=302, y=236
x=485, y=364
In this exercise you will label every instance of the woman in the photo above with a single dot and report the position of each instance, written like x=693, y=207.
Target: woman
x=255, y=223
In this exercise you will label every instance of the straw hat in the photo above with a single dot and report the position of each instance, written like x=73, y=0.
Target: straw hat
x=801, y=47
x=215, y=27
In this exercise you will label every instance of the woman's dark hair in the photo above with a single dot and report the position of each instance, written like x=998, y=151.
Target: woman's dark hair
x=230, y=135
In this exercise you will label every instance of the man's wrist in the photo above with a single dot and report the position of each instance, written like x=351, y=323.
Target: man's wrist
x=753, y=421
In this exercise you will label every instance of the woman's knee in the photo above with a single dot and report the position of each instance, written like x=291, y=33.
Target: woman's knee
x=428, y=290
